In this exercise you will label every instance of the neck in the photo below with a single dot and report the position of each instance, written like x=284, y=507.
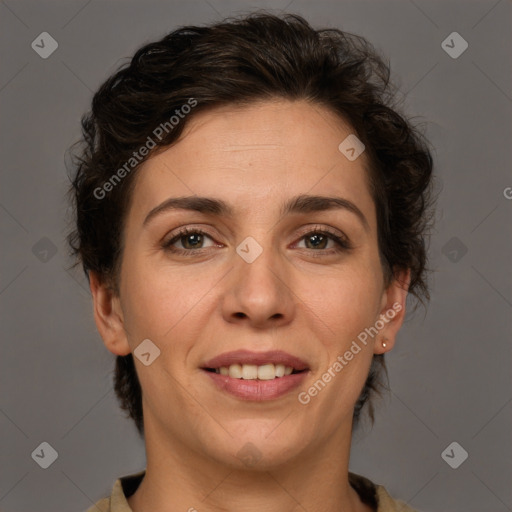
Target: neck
x=188, y=480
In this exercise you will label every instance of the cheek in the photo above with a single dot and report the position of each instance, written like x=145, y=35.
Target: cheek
x=161, y=302
x=347, y=302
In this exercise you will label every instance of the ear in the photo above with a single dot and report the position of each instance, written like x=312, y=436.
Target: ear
x=108, y=315
x=392, y=312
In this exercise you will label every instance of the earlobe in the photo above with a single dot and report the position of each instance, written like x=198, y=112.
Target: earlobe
x=108, y=316
x=393, y=311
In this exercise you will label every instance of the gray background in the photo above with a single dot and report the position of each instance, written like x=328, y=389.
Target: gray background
x=450, y=370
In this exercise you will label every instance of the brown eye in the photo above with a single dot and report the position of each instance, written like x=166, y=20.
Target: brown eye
x=190, y=240
x=318, y=240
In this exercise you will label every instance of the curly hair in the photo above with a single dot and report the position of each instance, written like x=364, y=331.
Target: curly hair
x=236, y=62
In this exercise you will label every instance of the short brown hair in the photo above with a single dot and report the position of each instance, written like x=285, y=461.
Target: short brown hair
x=238, y=61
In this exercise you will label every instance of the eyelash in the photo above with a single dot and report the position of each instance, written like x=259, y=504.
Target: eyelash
x=342, y=243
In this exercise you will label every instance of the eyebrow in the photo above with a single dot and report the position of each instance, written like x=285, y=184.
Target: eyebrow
x=299, y=204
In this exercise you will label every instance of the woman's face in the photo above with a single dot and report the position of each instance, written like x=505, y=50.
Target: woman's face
x=257, y=280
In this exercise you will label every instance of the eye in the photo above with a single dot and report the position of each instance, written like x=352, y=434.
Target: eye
x=190, y=239
x=318, y=238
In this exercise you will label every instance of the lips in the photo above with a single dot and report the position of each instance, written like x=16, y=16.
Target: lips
x=256, y=376
x=247, y=357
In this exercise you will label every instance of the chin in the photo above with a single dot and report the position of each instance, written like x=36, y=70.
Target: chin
x=259, y=449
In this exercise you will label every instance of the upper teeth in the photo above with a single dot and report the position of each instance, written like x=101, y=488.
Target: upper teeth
x=252, y=371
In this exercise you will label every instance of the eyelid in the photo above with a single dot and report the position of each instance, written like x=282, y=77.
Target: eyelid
x=342, y=241
x=176, y=234
x=322, y=227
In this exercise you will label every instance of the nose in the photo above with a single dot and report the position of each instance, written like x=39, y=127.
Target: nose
x=260, y=293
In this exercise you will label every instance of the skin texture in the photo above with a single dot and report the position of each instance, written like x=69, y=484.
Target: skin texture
x=196, y=307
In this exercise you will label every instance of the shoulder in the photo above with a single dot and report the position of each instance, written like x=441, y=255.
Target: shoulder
x=123, y=488
x=100, y=506
x=376, y=496
x=389, y=504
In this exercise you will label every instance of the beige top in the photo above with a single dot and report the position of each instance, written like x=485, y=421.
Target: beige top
x=374, y=495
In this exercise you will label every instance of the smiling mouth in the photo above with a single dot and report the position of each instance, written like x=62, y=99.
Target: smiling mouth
x=268, y=371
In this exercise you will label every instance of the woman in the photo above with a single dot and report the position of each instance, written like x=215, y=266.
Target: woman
x=251, y=213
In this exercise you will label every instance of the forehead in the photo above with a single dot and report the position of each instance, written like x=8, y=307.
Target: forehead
x=254, y=156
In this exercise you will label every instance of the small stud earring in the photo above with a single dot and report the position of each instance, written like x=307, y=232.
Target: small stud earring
x=384, y=344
